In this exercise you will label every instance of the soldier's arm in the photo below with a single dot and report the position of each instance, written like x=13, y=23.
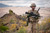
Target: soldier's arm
x=27, y=18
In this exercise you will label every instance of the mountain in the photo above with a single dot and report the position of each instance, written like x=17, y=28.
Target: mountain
x=3, y=5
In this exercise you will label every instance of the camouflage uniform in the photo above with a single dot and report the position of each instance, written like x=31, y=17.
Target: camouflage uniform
x=36, y=20
x=34, y=23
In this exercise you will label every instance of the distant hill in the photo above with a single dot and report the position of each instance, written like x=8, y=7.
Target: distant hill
x=3, y=5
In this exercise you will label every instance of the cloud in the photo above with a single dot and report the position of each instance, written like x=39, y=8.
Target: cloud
x=39, y=3
x=16, y=0
x=6, y=0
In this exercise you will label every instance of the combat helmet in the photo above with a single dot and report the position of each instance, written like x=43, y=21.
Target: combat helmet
x=33, y=4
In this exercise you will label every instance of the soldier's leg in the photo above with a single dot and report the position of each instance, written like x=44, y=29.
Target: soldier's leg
x=34, y=27
x=29, y=28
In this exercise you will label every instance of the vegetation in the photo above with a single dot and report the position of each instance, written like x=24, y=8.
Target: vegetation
x=44, y=26
x=3, y=28
x=12, y=21
x=22, y=30
x=10, y=11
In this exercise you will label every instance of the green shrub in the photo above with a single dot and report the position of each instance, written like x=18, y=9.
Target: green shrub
x=12, y=21
x=22, y=30
x=10, y=11
x=3, y=28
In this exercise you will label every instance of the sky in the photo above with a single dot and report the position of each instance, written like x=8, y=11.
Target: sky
x=15, y=3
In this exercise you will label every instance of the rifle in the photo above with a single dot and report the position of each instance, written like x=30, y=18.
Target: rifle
x=32, y=14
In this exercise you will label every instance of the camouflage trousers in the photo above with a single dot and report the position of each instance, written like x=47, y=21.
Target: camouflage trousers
x=32, y=28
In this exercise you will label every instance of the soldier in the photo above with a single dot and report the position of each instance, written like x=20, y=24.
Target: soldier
x=35, y=12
